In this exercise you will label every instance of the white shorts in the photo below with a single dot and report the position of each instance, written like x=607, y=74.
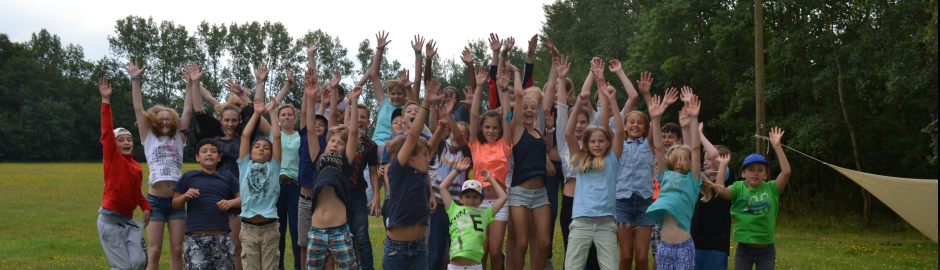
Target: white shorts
x=502, y=215
x=459, y=267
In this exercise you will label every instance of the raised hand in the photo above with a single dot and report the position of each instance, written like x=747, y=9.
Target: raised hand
x=404, y=76
x=694, y=106
x=261, y=73
x=233, y=86
x=686, y=94
x=485, y=174
x=585, y=95
x=334, y=80
x=468, y=97
x=432, y=94
x=417, y=43
x=133, y=69
x=724, y=160
x=533, y=42
x=495, y=42
x=312, y=48
x=271, y=106
x=645, y=82
x=381, y=39
x=610, y=92
x=290, y=76
x=671, y=96
x=354, y=93
x=464, y=164
x=509, y=43
x=657, y=106
x=684, y=117
x=431, y=49
x=597, y=67
x=258, y=104
x=551, y=47
x=483, y=76
x=195, y=73
x=502, y=81
x=466, y=57
x=563, y=66
x=325, y=96
x=511, y=67
x=615, y=66
x=104, y=88
x=776, y=134
x=549, y=118
x=448, y=106
x=184, y=73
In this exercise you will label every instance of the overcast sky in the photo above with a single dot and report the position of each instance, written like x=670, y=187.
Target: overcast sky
x=89, y=23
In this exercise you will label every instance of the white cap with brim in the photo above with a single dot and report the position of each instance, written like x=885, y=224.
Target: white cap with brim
x=121, y=131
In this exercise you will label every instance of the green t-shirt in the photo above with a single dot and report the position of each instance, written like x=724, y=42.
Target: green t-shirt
x=754, y=211
x=468, y=230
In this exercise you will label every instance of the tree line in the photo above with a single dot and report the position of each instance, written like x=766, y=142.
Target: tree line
x=831, y=66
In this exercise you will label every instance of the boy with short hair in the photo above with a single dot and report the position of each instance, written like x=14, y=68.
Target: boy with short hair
x=754, y=205
x=468, y=222
x=259, y=169
x=364, y=165
x=207, y=194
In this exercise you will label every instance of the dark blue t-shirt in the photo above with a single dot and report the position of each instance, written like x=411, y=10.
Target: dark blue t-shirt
x=202, y=211
x=408, y=200
x=333, y=170
x=305, y=172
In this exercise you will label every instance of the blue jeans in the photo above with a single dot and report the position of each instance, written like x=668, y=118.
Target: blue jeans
x=440, y=238
x=707, y=259
x=405, y=255
x=359, y=225
x=747, y=257
x=287, y=210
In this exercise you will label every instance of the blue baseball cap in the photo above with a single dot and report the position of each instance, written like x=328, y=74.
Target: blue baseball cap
x=754, y=158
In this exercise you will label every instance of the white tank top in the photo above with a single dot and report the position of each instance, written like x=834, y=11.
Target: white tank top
x=164, y=157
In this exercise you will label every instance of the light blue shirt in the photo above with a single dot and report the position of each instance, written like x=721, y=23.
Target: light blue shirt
x=259, y=187
x=383, y=124
x=636, y=169
x=290, y=153
x=677, y=195
x=594, y=190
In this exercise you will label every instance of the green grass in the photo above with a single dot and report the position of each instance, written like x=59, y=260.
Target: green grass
x=48, y=214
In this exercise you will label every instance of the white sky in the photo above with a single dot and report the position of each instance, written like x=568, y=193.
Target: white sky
x=89, y=23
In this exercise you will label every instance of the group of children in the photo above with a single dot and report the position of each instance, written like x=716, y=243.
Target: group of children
x=454, y=188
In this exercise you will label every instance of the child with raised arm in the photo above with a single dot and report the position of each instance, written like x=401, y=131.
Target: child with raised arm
x=711, y=222
x=259, y=165
x=408, y=206
x=491, y=153
x=596, y=161
x=396, y=92
x=160, y=133
x=468, y=222
x=754, y=205
x=681, y=180
x=329, y=232
x=208, y=194
x=120, y=235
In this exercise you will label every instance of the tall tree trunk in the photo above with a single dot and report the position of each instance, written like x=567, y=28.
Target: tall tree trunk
x=866, y=197
x=759, y=73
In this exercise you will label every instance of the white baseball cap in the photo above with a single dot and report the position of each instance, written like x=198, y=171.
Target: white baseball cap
x=472, y=185
x=121, y=131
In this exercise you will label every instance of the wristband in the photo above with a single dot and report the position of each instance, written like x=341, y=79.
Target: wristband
x=550, y=130
x=693, y=115
x=440, y=125
x=505, y=89
x=418, y=52
x=426, y=108
x=135, y=77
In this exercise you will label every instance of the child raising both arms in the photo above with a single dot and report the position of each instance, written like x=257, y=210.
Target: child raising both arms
x=682, y=181
x=468, y=222
x=162, y=139
x=121, y=236
x=754, y=205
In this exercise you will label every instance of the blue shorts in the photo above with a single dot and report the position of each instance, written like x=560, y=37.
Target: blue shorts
x=633, y=211
x=163, y=209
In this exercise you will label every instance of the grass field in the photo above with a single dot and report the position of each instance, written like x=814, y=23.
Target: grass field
x=49, y=211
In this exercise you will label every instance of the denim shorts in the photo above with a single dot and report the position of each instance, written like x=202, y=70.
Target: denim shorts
x=633, y=211
x=532, y=199
x=163, y=209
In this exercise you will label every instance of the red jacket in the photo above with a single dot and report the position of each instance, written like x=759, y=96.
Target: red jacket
x=122, y=174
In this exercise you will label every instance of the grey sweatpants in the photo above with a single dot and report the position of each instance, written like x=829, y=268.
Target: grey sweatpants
x=123, y=242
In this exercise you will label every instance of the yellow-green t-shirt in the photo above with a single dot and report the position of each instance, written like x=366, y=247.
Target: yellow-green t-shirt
x=468, y=230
